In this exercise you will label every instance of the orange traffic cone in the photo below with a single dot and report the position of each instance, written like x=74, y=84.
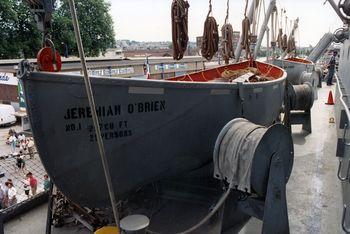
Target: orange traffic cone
x=330, y=98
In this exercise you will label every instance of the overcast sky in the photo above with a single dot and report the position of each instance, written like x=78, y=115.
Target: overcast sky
x=149, y=20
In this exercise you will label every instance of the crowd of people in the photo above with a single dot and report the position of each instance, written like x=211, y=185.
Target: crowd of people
x=25, y=144
x=9, y=194
x=10, y=190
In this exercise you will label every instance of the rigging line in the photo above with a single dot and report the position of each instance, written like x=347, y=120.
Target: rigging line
x=91, y=100
x=227, y=11
x=246, y=7
x=257, y=20
x=264, y=8
x=210, y=8
x=299, y=41
x=276, y=22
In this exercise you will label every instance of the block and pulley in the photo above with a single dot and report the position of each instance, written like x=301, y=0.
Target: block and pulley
x=49, y=60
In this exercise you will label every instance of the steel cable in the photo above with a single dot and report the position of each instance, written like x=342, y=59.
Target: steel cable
x=210, y=41
x=179, y=23
x=95, y=119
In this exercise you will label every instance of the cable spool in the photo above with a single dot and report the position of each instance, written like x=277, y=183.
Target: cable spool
x=311, y=77
x=179, y=23
x=320, y=75
x=319, y=72
x=301, y=97
x=243, y=152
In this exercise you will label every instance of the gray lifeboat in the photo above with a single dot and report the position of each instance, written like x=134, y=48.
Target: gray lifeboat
x=152, y=129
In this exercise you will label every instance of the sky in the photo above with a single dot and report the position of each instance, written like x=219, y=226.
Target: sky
x=150, y=20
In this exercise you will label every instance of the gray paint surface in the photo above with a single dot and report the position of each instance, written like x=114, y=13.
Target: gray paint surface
x=294, y=69
x=155, y=129
x=314, y=207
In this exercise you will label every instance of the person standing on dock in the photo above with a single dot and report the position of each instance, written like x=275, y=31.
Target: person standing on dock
x=11, y=193
x=32, y=182
x=13, y=140
x=331, y=68
x=30, y=147
x=47, y=183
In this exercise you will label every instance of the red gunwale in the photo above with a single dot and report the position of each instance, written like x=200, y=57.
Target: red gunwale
x=265, y=69
x=299, y=60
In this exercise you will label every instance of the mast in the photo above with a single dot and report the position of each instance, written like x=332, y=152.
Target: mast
x=270, y=10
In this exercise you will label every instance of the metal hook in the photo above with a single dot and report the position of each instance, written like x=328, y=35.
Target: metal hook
x=344, y=135
x=345, y=229
x=347, y=171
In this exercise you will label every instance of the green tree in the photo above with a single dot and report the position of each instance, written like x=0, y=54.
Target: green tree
x=19, y=36
x=96, y=26
x=28, y=36
x=8, y=20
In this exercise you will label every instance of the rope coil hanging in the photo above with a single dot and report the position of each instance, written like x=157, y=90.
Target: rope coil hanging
x=210, y=42
x=227, y=38
x=280, y=31
x=246, y=33
x=291, y=45
x=285, y=37
x=179, y=23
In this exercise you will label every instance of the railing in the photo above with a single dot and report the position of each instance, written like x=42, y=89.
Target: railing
x=346, y=144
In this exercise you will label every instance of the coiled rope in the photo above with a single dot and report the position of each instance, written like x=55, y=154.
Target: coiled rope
x=246, y=32
x=280, y=31
x=291, y=45
x=210, y=42
x=285, y=37
x=279, y=38
x=179, y=23
x=227, y=38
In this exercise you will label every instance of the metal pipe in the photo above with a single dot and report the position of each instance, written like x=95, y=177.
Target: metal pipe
x=321, y=46
x=250, y=17
x=93, y=112
x=263, y=29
